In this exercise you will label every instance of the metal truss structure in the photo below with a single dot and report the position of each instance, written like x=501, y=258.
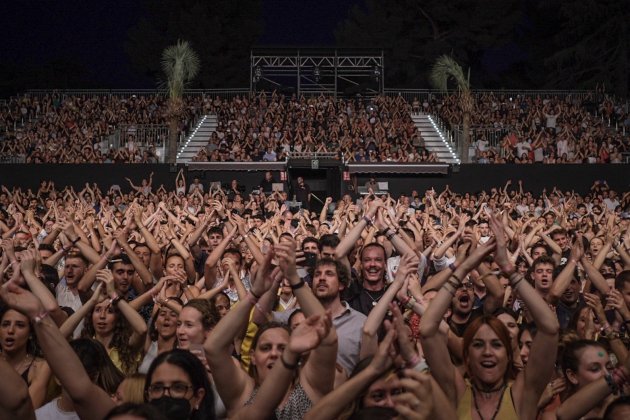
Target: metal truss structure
x=318, y=71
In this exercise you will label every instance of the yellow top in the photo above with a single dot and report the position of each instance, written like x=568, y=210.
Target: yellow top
x=506, y=410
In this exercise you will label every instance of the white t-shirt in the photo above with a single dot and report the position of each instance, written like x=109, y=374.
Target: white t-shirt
x=51, y=411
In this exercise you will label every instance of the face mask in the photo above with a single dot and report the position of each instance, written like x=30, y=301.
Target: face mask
x=172, y=408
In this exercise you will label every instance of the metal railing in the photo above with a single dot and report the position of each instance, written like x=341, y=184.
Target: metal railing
x=126, y=93
x=313, y=155
x=427, y=94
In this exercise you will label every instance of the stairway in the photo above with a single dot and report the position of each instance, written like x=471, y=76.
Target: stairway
x=198, y=139
x=435, y=140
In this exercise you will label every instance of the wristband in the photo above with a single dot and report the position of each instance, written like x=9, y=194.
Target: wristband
x=37, y=319
x=367, y=220
x=287, y=365
x=297, y=285
x=114, y=301
x=390, y=235
x=453, y=267
x=75, y=241
x=451, y=291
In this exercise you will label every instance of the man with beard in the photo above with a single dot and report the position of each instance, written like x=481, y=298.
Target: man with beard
x=462, y=308
x=330, y=278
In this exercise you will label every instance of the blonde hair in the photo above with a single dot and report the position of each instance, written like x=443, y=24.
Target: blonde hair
x=133, y=388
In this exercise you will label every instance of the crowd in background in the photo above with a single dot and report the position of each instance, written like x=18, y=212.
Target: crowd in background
x=548, y=129
x=196, y=301
x=57, y=128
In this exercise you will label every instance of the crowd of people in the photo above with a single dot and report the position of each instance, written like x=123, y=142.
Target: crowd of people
x=270, y=127
x=56, y=128
x=542, y=129
x=201, y=303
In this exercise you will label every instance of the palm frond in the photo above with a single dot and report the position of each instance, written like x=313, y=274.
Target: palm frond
x=446, y=67
x=180, y=64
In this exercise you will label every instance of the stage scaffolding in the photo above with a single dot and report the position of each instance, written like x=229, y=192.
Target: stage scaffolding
x=309, y=71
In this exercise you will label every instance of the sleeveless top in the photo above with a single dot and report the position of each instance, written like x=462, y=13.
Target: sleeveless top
x=296, y=407
x=506, y=410
x=24, y=374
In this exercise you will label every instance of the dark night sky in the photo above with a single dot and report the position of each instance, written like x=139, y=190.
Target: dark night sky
x=93, y=32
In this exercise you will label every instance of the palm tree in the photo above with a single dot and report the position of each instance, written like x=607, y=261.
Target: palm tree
x=180, y=64
x=446, y=67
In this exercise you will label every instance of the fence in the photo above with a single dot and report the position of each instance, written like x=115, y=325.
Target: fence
x=126, y=93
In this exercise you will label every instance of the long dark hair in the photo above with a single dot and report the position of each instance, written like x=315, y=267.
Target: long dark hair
x=190, y=364
x=129, y=357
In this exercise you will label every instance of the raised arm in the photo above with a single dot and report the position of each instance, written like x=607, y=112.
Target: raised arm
x=349, y=241
x=89, y=400
x=232, y=382
x=563, y=280
x=435, y=344
x=369, y=342
x=529, y=385
x=134, y=319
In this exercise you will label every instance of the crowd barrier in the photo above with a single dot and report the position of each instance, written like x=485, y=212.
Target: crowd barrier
x=464, y=178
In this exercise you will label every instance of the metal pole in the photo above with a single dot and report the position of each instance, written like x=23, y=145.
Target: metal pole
x=299, y=66
x=335, y=67
x=382, y=72
x=251, y=72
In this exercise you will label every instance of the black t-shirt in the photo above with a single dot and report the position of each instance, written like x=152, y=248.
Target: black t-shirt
x=459, y=329
x=363, y=300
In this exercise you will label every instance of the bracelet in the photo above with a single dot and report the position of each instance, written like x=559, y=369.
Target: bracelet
x=114, y=301
x=455, y=283
x=37, y=319
x=452, y=266
x=451, y=291
x=287, y=365
x=459, y=281
x=516, y=283
x=390, y=235
x=367, y=220
x=75, y=241
x=514, y=276
x=297, y=285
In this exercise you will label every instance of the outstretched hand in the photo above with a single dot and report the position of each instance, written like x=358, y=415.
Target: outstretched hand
x=310, y=333
x=21, y=300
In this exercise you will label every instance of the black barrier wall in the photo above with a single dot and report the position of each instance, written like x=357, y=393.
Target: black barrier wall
x=469, y=178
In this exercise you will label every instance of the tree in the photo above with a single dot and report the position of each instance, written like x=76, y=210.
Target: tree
x=592, y=46
x=415, y=33
x=221, y=31
x=446, y=68
x=180, y=64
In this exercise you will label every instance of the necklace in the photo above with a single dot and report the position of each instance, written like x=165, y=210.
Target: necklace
x=374, y=301
x=492, y=391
